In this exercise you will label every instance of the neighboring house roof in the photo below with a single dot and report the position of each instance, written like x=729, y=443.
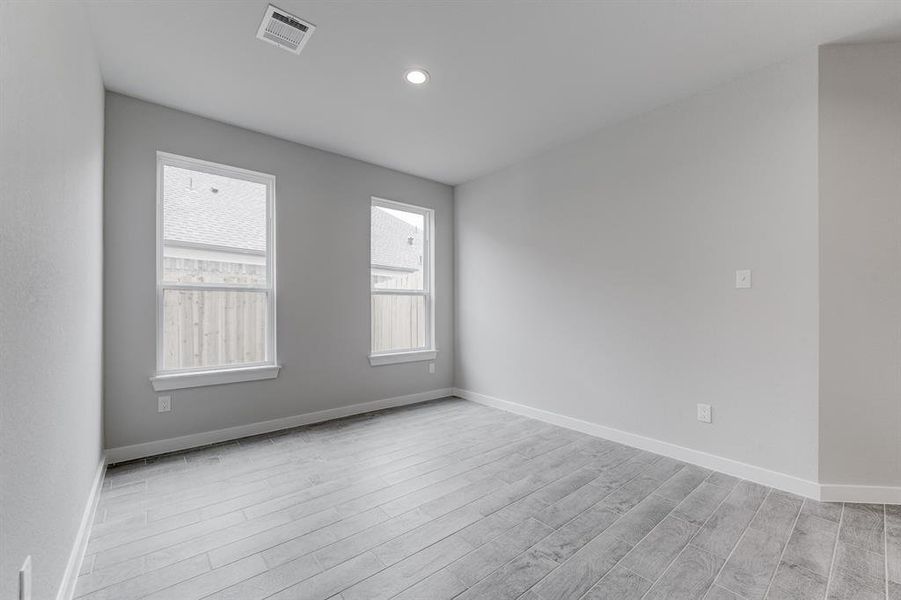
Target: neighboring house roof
x=390, y=244
x=234, y=217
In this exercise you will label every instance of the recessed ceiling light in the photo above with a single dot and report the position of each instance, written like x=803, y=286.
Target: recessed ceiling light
x=417, y=76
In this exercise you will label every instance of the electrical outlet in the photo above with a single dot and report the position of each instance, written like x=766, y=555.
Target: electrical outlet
x=704, y=413
x=164, y=404
x=432, y=367
x=25, y=579
x=743, y=279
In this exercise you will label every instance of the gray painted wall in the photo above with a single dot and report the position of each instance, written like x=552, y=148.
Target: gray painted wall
x=860, y=264
x=597, y=280
x=323, y=277
x=51, y=161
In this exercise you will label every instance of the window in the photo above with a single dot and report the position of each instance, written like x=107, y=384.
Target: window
x=401, y=283
x=215, y=281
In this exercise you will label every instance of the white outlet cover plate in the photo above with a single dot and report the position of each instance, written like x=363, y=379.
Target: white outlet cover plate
x=704, y=413
x=743, y=279
x=164, y=403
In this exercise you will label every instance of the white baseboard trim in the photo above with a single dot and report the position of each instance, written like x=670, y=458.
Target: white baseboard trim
x=869, y=494
x=124, y=453
x=76, y=557
x=774, y=479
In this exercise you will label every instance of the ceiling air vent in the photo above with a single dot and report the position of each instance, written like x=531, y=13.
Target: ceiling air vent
x=285, y=30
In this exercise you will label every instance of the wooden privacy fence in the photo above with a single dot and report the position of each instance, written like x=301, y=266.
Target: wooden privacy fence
x=398, y=322
x=204, y=328
x=208, y=328
x=211, y=328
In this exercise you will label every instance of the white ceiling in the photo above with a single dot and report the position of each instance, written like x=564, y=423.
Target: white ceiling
x=509, y=79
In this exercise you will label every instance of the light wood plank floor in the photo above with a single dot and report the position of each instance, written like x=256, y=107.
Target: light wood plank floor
x=450, y=499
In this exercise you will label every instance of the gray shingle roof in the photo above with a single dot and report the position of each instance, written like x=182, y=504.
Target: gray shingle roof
x=390, y=244
x=234, y=217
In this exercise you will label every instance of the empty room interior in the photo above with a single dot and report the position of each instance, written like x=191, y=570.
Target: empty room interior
x=632, y=327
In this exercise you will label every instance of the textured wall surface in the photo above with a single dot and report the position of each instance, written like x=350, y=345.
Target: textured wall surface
x=323, y=206
x=860, y=264
x=597, y=280
x=51, y=184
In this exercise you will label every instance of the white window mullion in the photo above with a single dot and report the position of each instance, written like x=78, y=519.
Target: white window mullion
x=215, y=287
x=393, y=292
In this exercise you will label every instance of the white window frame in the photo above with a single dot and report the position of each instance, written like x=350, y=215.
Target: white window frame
x=170, y=379
x=430, y=350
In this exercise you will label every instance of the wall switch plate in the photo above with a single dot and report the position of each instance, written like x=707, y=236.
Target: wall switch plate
x=704, y=413
x=164, y=404
x=432, y=367
x=743, y=279
x=25, y=579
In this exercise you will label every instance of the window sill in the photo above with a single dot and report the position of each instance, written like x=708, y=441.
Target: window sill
x=377, y=360
x=177, y=381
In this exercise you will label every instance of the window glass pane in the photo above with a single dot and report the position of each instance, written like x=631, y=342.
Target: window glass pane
x=214, y=228
x=213, y=328
x=398, y=322
x=396, y=249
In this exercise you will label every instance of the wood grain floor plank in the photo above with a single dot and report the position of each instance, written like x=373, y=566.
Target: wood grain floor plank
x=654, y=553
x=893, y=542
x=863, y=526
x=812, y=544
x=618, y=584
x=578, y=573
x=689, y=577
x=452, y=500
x=793, y=582
x=491, y=556
x=752, y=564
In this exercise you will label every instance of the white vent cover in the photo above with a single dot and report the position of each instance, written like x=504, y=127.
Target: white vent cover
x=285, y=30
